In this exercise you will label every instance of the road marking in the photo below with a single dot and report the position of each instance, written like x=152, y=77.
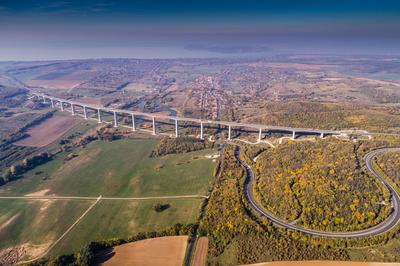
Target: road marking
x=103, y=198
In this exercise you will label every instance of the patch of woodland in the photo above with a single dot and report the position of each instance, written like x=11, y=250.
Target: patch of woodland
x=160, y=207
x=182, y=144
x=239, y=237
x=103, y=132
x=320, y=185
x=333, y=116
x=12, y=97
x=17, y=170
x=13, y=155
x=389, y=164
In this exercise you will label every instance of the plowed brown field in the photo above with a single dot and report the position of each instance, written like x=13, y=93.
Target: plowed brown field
x=54, y=84
x=166, y=251
x=200, y=255
x=48, y=131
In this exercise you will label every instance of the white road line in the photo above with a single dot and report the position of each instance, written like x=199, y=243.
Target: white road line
x=103, y=198
x=160, y=197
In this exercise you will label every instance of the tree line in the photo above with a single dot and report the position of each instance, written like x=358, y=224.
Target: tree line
x=90, y=254
x=180, y=145
x=17, y=170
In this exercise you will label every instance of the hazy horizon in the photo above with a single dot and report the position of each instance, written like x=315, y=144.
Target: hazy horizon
x=52, y=30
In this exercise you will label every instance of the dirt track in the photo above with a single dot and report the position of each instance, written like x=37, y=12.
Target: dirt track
x=48, y=131
x=166, y=251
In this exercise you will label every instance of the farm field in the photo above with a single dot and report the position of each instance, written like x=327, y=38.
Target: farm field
x=90, y=100
x=168, y=251
x=200, y=255
x=48, y=131
x=118, y=168
x=122, y=168
x=57, y=83
x=137, y=87
x=11, y=124
x=386, y=252
x=29, y=227
x=119, y=219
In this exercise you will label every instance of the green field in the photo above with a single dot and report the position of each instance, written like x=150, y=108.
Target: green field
x=21, y=213
x=388, y=252
x=120, y=219
x=36, y=223
x=121, y=168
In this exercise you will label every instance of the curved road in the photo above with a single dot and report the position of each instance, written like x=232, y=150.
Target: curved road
x=380, y=228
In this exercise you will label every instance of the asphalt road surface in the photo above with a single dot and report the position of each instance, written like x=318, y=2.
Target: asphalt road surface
x=391, y=221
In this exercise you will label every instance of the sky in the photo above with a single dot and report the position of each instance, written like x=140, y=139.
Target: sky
x=66, y=29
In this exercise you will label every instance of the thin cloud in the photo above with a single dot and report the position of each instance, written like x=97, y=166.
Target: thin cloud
x=55, y=5
x=99, y=8
x=69, y=8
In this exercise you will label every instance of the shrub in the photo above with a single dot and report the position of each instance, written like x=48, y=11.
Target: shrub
x=161, y=207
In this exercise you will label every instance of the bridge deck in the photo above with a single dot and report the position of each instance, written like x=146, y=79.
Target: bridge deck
x=199, y=121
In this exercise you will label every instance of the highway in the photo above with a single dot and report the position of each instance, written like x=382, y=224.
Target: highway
x=391, y=221
x=200, y=121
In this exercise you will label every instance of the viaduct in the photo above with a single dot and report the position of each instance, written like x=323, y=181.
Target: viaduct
x=68, y=105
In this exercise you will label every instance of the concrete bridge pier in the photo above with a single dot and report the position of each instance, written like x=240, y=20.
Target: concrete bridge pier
x=229, y=132
x=72, y=109
x=176, y=128
x=294, y=135
x=98, y=115
x=115, y=119
x=201, y=130
x=84, y=112
x=259, y=135
x=52, y=103
x=321, y=135
x=62, y=106
x=154, y=125
x=44, y=99
x=133, y=123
